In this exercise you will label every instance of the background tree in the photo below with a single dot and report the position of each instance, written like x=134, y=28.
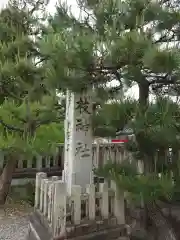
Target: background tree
x=31, y=117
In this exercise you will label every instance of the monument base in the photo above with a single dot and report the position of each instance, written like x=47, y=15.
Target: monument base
x=100, y=230
x=37, y=230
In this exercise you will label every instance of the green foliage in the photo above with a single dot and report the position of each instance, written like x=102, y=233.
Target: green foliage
x=112, y=117
x=113, y=41
x=75, y=59
x=37, y=131
x=158, y=126
x=31, y=116
x=168, y=61
x=132, y=42
x=126, y=41
x=156, y=130
x=17, y=49
x=140, y=186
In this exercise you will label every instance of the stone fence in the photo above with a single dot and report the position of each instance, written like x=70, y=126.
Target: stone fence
x=98, y=208
x=28, y=168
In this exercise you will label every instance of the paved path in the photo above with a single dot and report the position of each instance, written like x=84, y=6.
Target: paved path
x=14, y=229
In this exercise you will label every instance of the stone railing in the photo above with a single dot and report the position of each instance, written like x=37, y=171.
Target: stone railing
x=97, y=208
x=53, y=161
x=108, y=151
x=101, y=154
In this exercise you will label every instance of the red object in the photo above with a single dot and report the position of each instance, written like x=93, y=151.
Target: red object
x=119, y=140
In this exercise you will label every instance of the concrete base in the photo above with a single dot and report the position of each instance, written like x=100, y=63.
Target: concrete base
x=36, y=230
x=39, y=232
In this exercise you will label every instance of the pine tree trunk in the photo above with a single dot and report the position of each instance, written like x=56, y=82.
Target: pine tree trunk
x=152, y=211
x=143, y=94
x=176, y=172
x=5, y=179
x=165, y=230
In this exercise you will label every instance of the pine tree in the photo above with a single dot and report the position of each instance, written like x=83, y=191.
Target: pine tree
x=31, y=117
x=156, y=132
x=134, y=42
x=109, y=118
x=110, y=45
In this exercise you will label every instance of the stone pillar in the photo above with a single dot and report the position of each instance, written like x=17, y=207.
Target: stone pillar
x=78, y=140
x=38, y=190
x=118, y=204
x=59, y=209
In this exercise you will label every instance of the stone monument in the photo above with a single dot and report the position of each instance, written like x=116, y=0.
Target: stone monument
x=78, y=140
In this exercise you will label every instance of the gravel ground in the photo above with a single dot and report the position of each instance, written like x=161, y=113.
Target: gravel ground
x=14, y=228
x=14, y=220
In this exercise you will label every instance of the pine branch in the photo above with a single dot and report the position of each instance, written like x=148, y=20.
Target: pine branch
x=18, y=118
x=165, y=80
x=9, y=93
x=164, y=39
x=41, y=60
x=11, y=128
x=35, y=7
x=48, y=121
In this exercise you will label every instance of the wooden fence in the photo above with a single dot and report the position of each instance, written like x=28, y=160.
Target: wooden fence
x=60, y=213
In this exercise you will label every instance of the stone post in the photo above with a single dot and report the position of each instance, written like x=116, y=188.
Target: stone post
x=118, y=204
x=78, y=140
x=59, y=208
x=38, y=194
x=46, y=185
